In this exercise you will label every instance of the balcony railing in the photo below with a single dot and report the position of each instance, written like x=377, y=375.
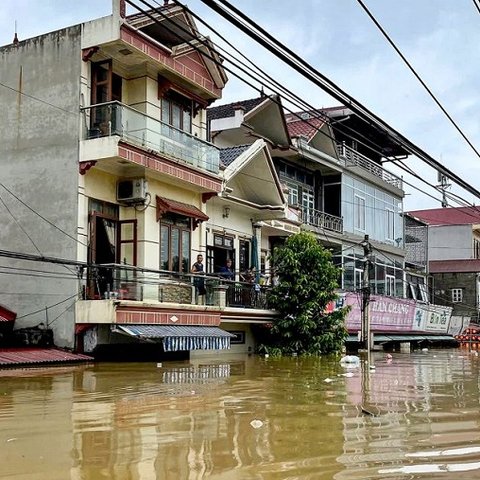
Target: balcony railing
x=316, y=218
x=133, y=126
x=359, y=160
x=123, y=282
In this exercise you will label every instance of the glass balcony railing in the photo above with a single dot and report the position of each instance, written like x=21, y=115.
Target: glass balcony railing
x=359, y=160
x=115, y=118
x=123, y=282
x=316, y=218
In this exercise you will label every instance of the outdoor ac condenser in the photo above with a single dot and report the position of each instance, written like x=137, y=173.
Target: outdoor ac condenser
x=132, y=190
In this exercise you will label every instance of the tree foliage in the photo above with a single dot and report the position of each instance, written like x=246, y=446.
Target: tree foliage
x=307, y=280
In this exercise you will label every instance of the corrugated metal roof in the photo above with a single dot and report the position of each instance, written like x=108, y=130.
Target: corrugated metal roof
x=162, y=331
x=448, y=216
x=454, y=266
x=181, y=337
x=28, y=356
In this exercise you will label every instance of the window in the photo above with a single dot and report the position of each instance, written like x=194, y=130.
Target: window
x=390, y=285
x=359, y=213
x=390, y=224
x=476, y=248
x=177, y=111
x=175, y=243
x=457, y=295
x=307, y=206
x=423, y=292
x=358, y=279
x=292, y=194
x=244, y=255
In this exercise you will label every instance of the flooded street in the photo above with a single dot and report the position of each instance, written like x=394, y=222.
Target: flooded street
x=415, y=416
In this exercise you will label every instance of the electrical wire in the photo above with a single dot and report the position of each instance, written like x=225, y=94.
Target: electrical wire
x=252, y=29
x=417, y=76
x=318, y=114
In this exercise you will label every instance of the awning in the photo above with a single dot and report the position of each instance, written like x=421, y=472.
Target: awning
x=10, y=357
x=180, y=337
x=379, y=338
x=165, y=205
x=7, y=315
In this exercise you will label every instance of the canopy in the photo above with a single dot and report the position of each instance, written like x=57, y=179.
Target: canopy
x=180, y=337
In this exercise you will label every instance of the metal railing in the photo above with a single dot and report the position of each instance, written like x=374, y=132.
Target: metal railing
x=115, y=118
x=359, y=160
x=316, y=218
x=123, y=282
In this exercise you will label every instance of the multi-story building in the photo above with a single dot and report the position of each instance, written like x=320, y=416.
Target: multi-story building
x=330, y=163
x=110, y=185
x=452, y=247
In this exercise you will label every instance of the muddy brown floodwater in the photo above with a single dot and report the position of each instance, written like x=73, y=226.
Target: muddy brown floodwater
x=415, y=416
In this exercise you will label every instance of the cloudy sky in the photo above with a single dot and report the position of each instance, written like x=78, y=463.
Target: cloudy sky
x=440, y=38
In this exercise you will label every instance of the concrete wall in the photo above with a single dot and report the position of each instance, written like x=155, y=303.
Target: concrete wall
x=39, y=129
x=443, y=283
x=452, y=242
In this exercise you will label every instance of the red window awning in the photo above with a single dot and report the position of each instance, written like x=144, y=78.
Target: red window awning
x=7, y=315
x=165, y=205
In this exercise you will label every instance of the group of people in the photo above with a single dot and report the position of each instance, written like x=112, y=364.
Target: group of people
x=226, y=272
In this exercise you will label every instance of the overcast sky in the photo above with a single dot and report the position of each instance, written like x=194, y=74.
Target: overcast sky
x=440, y=38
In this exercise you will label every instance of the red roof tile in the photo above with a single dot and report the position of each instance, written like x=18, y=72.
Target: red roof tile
x=27, y=356
x=305, y=128
x=448, y=216
x=454, y=266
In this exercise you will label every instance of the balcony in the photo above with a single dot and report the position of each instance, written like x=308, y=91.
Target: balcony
x=136, y=128
x=133, y=284
x=318, y=219
x=354, y=158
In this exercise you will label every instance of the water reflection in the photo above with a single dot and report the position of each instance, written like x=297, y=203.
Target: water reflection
x=414, y=416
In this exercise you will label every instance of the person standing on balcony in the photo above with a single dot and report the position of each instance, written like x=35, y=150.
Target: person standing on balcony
x=226, y=272
x=199, y=281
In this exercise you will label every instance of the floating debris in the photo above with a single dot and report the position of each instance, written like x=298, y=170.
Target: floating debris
x=256, y=423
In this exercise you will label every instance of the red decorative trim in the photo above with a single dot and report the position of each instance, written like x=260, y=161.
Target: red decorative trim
x=162, y=165
x=123, y=9
x=87, y=53
x=164, y=85
x=177, y=65
x=206, y=196
x=166, y=317
x=83, y=167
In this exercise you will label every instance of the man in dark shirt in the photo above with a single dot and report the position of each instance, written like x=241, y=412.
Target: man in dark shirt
x=199, y=282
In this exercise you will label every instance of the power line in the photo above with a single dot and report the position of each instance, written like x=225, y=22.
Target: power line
x=296, y=100
x=417, y=76
x=477, y=5
x=32, y=97
x=317, y=113
x=265, y=39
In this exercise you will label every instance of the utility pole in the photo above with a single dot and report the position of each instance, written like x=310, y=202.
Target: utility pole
x=365, y=337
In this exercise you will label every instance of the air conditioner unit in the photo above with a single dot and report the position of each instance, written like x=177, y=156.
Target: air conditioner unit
x=132, y=191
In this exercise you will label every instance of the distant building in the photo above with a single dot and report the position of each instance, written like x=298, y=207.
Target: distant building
x=453, y=253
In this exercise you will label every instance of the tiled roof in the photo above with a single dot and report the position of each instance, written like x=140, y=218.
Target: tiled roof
x=28, y=356
x=228, y=110
x=454, y=266
x=305, y=128
x=448, y=216
x=228, y=155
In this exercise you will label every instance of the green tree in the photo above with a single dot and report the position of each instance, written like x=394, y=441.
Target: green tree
x=307, y=280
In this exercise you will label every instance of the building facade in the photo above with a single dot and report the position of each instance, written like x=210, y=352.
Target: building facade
x=114, y=190
x=452, y=246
